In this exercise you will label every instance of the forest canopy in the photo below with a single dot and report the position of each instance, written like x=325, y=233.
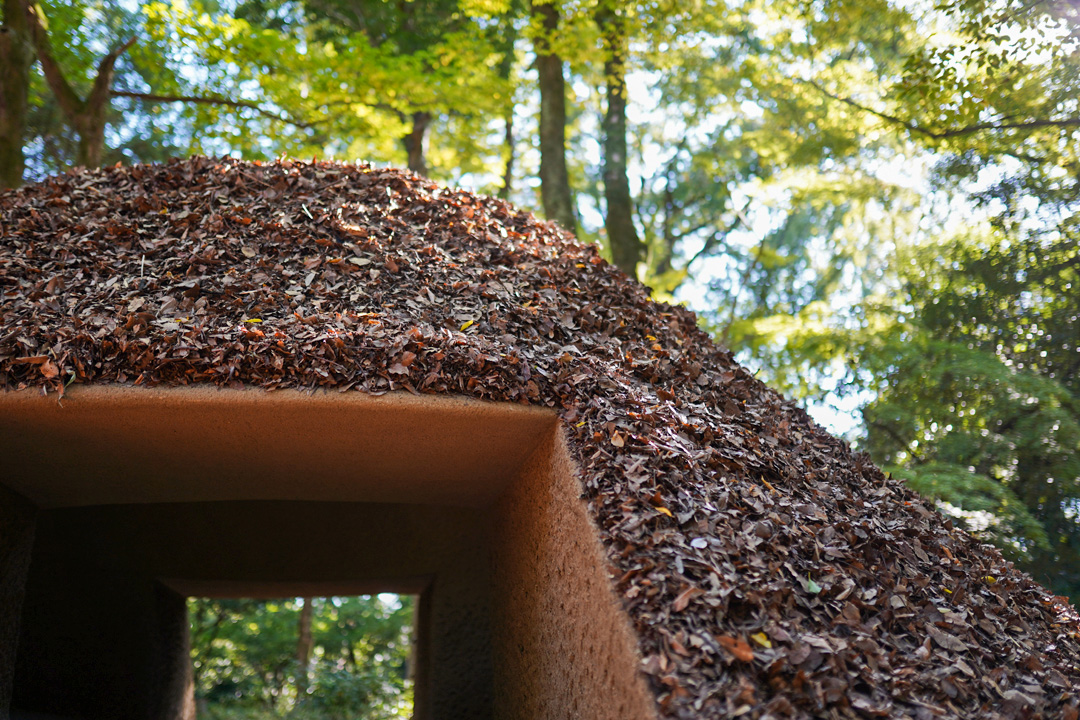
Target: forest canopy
x=874, y=203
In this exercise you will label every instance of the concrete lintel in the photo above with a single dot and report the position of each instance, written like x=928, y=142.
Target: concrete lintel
x=292, y=589
x=112, y=444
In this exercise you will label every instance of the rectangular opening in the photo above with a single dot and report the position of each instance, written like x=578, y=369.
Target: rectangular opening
x=130, y=502
x=316, y=658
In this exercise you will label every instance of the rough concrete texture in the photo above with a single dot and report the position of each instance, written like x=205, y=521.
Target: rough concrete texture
x=517, y=618
x=17, y=522
x=97, y=640
x=563, y=646
x=122, y=444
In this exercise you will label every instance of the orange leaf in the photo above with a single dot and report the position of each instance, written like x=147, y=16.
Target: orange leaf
x=737, y=647
x=685, y=597
x=49, y=369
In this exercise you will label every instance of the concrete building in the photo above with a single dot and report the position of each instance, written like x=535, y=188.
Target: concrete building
x=224, y=379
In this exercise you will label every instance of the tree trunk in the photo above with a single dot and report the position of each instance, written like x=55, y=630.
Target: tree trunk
x=555, y=190
x=303, y=648
x=508, y=168
x=86, y=116
x=414, y=142
x=90, y=128
x=507, y=42
x=16, y=58
x=627, y=250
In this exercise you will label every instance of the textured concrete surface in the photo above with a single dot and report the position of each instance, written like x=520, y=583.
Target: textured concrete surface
x=97, y=640
x=18, y=519
x=563, y=646
x=122, y=444
x=152, y=495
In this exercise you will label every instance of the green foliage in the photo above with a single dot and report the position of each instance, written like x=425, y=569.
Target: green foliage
x=245, y=658
x=334, y=79
x=959, y=338
x=80, y=32
x=986, y=379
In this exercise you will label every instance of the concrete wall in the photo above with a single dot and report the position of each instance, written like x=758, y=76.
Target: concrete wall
x=563, y=646
x=17, y=522
x=99, y=638
x=105, y=631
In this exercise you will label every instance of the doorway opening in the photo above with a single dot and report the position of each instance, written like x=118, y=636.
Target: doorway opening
x=316, y=658
x=122, y=503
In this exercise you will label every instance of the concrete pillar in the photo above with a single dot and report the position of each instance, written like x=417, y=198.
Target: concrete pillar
x=99, y=640
x=175, y=677
x=460, y=681
x=563, y=646
x=17, y=523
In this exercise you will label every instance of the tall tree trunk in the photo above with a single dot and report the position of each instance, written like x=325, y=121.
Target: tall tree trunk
x=303, y=648
x=415, y=141
x=508, y=168
x=508, y=41
x=90, y=127
x=16, y=58
x=86, y=116
x=554, y=178
x=627, y=250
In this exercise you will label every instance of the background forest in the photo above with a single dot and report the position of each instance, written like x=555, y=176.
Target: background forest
x=873, y=202
x=308, y=659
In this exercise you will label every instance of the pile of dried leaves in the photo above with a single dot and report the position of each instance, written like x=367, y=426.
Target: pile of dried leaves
x=768, y=570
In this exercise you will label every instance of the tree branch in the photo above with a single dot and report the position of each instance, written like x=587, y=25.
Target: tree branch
x=945, y=134
x=889, y=430
x=66, y=97
x=100, y=92
x=759, y=249
x=713, y=240
x=708, y=246
x=215, y=100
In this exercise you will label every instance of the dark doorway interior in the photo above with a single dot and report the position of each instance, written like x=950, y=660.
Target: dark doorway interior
x=105, y=624
x=121, y=503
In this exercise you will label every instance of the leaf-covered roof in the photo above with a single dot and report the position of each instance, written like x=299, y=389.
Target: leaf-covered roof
x=767, y=569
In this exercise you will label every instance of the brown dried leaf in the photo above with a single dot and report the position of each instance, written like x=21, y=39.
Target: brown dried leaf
x=945, y=640
x=737, y=647
x=685, y=597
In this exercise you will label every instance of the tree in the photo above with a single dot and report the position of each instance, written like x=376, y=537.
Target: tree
x=411, y=30
x=626, y=247
x=87, y=115
x=409, y=83
x=77, y=30
x=555, y=191
x=304, y=644
x=961, y=346
x=506, y=44
x=16, y=58
x=246, y=661
x=979, y=396
x=970, y=365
